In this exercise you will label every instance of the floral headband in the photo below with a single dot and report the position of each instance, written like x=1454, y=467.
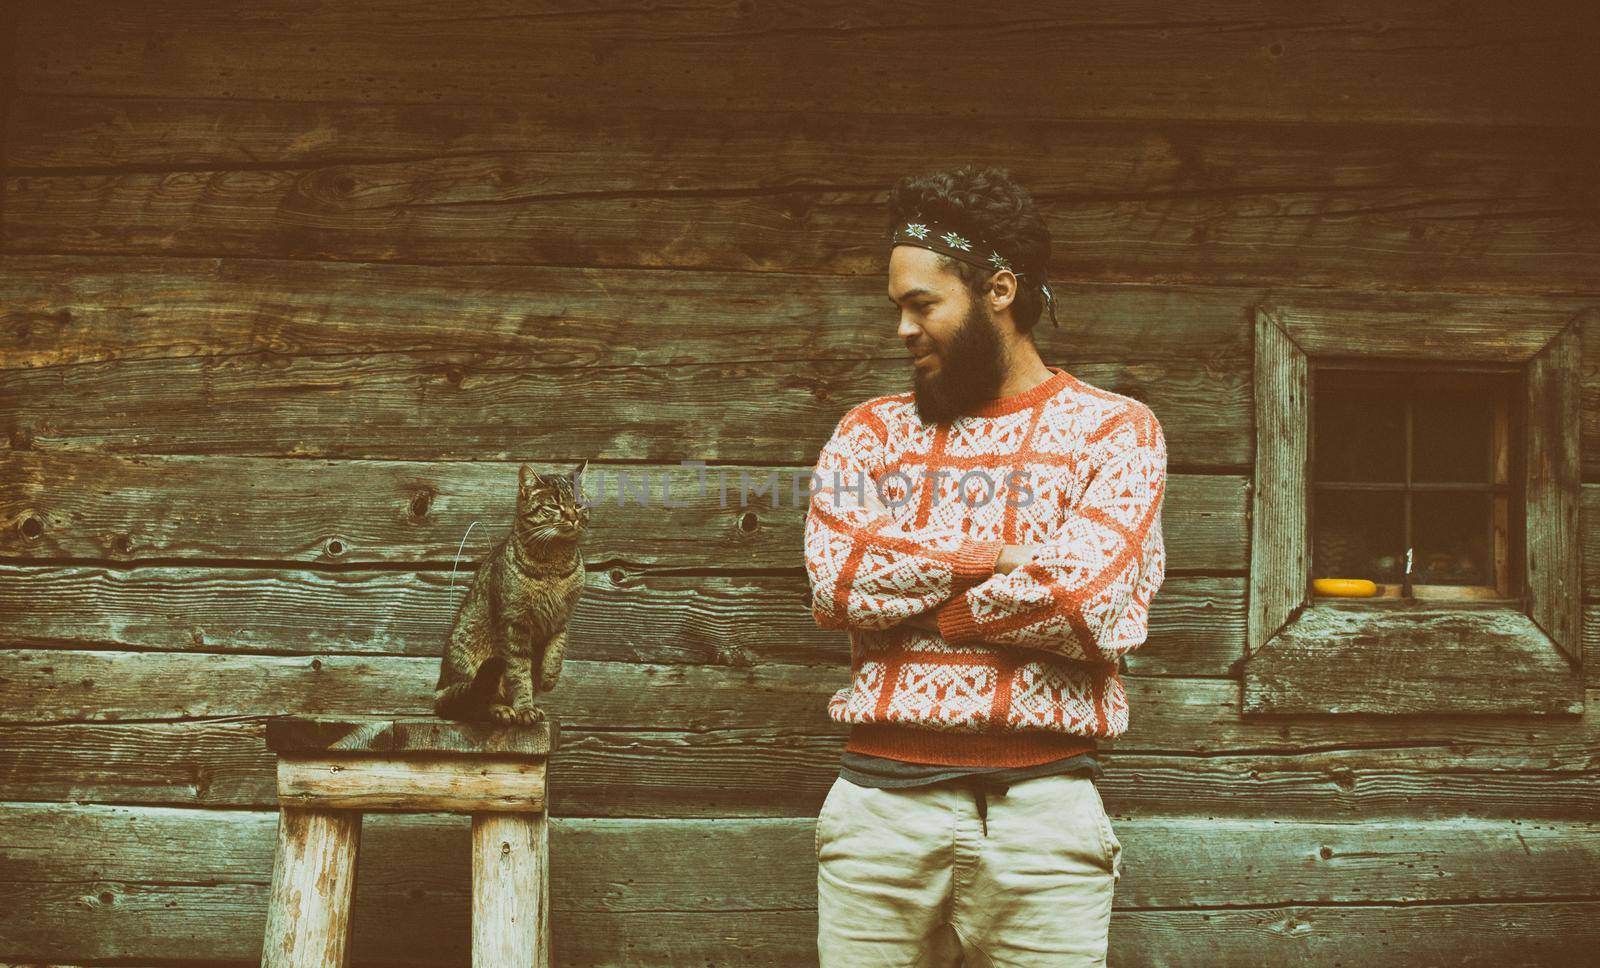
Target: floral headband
x=941, y=238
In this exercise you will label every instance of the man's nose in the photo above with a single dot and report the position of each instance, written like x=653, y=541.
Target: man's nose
x=907, y=328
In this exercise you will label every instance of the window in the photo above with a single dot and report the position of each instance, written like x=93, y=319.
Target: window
x=1392, y=424
x=1412, y=480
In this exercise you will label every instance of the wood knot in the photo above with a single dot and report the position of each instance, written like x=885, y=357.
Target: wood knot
x=31, y=527
x=748, y=522
x=335, y=547
x=795, y=206
x=421, y=502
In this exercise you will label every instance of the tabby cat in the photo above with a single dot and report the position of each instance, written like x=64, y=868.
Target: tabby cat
x=511, y=630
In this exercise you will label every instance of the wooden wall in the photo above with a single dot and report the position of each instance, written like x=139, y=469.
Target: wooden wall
x=290, y=287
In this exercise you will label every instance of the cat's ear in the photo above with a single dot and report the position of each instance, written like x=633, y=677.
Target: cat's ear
x=577, y=480
x=531, y=480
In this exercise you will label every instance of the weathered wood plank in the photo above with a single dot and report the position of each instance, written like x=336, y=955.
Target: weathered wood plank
x=1591, y=620
x=1258, y=861
x=1434, y=325
x=412, y=783
x=1588, y=323
x=85, y=309
x=510, y=890
x=385, y=735
x=1553, y=478
x=9, y=15
x=1485, y=769
x=1411, y=660
x=1421, y=936
x=64, y=686
x=420, y=512
x=1370, y=207
x=627, y=614
x=313, y=889
x=446, y=405
x=1490, y=935
x=57, y=310
x=1280, y=550
x=1128, y=62
x=1589, y=513
x=38, y=964
x=141, y=893
x=530, y=147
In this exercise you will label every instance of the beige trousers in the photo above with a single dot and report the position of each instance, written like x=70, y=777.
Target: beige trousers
x=909, y=878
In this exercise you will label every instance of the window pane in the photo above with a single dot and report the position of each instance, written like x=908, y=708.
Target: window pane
x=1451, y=434
x=1360, y=431
x=1359, y=534
x=1452, y=532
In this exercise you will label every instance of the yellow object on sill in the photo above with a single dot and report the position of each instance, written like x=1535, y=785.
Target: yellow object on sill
x=1344, y=587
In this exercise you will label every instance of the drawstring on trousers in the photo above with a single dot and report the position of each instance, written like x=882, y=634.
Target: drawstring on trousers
x=979, y=784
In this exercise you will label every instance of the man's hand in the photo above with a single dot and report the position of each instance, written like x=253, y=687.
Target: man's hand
x=874, y=503
x=924, y=621
x=1014, y=556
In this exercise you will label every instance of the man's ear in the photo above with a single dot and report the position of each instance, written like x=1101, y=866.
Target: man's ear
x=1003, y=288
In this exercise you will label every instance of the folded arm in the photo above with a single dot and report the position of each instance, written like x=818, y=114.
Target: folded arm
x=1085, y=593
x=866, y=570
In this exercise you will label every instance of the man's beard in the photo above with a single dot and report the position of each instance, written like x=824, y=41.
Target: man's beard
x=971, y=369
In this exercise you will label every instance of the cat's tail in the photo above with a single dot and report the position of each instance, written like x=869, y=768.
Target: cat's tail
x=470, y=700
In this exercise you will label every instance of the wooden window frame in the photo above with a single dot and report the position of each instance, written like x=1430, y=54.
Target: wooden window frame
x=1389, y=656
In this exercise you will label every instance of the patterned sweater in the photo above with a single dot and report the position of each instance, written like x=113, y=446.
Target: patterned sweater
x=1023, y=669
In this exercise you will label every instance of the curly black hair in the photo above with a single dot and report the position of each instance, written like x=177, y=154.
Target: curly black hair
x=988, y=203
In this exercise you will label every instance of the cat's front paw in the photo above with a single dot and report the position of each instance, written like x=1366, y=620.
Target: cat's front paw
x=528, y=715
x=504, y=715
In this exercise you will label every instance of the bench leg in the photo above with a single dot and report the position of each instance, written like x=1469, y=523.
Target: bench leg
x=510, y=890
x=313, y=879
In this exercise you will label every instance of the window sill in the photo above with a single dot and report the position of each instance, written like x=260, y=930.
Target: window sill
x=1399, y=658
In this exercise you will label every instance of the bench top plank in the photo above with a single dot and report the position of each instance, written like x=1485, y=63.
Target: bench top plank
x=413, y=734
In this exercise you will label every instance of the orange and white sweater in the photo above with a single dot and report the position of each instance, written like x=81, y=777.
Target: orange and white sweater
x=1023, y=669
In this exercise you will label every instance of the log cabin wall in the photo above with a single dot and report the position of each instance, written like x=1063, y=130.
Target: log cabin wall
x=291, y=287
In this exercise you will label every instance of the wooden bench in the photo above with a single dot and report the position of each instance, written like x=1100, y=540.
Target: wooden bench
x=330, y=771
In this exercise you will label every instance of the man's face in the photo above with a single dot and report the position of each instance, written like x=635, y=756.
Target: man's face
x=959, y=361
